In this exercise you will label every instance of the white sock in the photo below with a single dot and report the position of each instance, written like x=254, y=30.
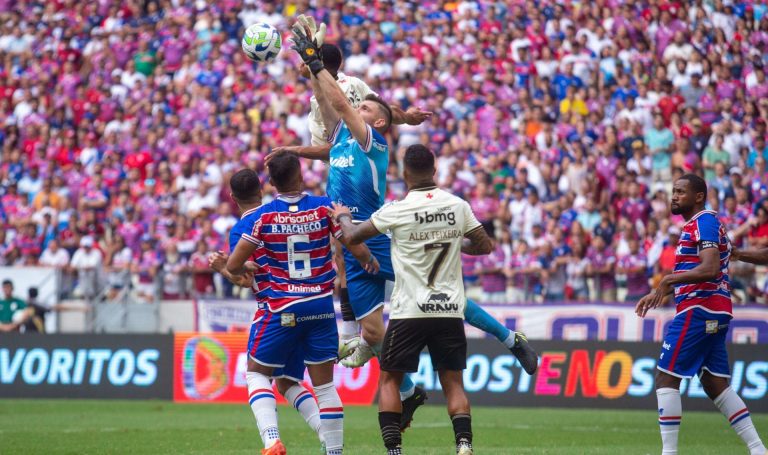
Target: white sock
x=264, y=407
x=349, y=329
x=303, y=401
x=670, y=415
x=408, y=393
x=510, y=341
x=376, y=349
x=331, y=418
x=734, y=409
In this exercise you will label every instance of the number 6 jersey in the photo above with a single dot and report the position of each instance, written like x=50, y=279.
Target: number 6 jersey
x=427, y=228
x=294, y=233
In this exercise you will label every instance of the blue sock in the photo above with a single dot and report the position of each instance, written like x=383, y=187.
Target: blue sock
x=407, y=387
x=478, y=317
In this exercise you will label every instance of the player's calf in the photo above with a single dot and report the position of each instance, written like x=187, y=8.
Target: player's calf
x=331, y=418
x=389, y=423
x=462, y=430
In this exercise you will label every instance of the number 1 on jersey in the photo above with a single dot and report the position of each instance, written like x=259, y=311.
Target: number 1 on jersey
x=294, y=257
x=443, y=247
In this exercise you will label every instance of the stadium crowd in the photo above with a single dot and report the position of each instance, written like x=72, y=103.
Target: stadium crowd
x=563, y=123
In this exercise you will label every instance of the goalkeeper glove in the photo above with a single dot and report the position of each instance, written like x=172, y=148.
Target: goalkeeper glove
x=307, y=48
x=309, y=24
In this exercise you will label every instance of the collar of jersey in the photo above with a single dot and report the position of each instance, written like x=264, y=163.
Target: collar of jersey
x=694, y=217
x=291, y=199
x=426, y=188
x=248, y=212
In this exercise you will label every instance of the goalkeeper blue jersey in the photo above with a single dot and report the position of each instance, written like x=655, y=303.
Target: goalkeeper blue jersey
x=358, y=174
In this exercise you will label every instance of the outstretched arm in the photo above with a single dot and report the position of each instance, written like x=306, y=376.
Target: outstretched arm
x=412, y=116
x=363, y=255
x=754, y=256
x=354, y=234
x=326, y=84
x=218, y=262
x=327, y=112
x=310, y=152
x=236, y=262
x=707, y=270
x=327, y=91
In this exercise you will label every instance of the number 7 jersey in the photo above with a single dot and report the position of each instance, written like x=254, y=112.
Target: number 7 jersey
x=427, y=228
x=294, y=233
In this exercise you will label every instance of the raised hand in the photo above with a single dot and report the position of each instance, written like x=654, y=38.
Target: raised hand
x=415, y=116
x=313, y=31
x=307, y=48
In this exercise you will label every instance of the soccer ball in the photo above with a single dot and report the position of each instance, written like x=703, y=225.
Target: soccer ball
x=261, y=42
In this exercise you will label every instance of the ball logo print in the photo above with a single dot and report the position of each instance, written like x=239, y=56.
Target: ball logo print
x=204, y=368
x=261, y=42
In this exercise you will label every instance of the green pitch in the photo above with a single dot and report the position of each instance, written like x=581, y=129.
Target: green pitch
x=154, y=427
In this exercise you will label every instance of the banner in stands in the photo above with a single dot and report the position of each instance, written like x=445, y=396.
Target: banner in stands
x=224, y=315
x=210, y=367
x=549, y=321
x=86, y=366
x=613, y=322
x=590, y=375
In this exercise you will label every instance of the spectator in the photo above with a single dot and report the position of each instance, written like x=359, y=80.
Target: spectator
x=148, y=109
x=602, y=263
x=11, y=309
x=35, y=323
x=576, y=275
x=117, y=266
x=202, y=275
x=87, y=262
x=490, y=270
x=635, y=266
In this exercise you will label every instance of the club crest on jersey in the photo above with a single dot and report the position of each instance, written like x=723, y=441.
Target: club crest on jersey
x=288, y=319
x=293, y=208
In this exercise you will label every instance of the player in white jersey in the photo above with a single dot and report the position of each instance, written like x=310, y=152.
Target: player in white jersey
x=428, y=228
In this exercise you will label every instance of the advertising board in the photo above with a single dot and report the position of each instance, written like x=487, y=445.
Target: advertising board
x=86, y=366
x=590, y=375
x=210, y=367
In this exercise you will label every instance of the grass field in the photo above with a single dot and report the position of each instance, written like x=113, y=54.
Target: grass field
x=155, y=427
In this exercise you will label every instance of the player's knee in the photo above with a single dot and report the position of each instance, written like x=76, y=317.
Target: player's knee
x=373, y=328
x=713, y=385
x=457, y=403
x=283, y=385
x=373, y=334
x=664, y=380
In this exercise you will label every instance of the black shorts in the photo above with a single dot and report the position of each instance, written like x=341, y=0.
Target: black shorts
x=406, y=338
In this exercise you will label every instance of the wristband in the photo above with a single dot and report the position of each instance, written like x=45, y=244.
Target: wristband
x=315, y=66
x=340, y=216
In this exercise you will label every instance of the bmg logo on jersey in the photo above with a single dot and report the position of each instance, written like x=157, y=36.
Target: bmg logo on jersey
x=427, y=218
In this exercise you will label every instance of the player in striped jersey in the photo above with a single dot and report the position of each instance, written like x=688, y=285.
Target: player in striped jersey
x=294, y=230
x=695, y=341
x=246, y=192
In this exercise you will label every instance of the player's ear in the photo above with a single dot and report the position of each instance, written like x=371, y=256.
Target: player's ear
x=380, y=123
